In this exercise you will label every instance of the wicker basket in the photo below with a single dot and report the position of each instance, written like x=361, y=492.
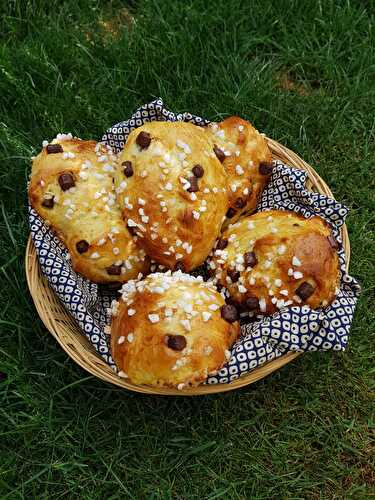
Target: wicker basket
x=66, y=331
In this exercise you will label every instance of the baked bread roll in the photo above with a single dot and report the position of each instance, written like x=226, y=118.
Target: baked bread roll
x=71, y=187
x=247, y=160
x=176, y=198
x=275, y=259
x=171, y=330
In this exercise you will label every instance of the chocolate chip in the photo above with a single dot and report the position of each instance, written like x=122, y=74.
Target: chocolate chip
x=128, y=170
x=54, y=148
x=230, y=213
x=232, y=302
x=265, y=168
x=143, y=140
x=305, y=290
x=198, y=171
x=48, y=202
x=221, y=244
x=251, y=303
x=229, y=313
x=250, y=259
x=333, y=242
x=233, y=274
x=193, y=185
x=82, y=246
x=219, y=153
x=296, y=225
x=179, y=266
x=66, y=181
x=239, y=203
x=114, y=270
x=176, y=342
x=132, y=230
x=219, y=287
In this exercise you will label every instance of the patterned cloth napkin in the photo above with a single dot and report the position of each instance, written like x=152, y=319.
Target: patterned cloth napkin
x=296, y=328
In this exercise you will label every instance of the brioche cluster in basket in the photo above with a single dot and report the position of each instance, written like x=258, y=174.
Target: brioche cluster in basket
x=179, y=196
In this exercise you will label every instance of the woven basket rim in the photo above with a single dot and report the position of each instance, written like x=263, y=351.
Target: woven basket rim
x=71, y=338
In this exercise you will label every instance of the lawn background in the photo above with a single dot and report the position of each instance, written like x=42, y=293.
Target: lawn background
x=303, y=73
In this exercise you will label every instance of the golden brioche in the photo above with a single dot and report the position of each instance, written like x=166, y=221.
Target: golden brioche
x=247, y=160
x=275, y=259
x=71, y=187
x=176, y=198
x=169, y=330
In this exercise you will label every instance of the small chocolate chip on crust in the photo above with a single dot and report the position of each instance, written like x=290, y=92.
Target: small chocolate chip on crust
x=221, y=244
x=252, y=303
x=82, y=246
x=128, y=168
x=114, y=270
x=48, y=202
x=232, y=302
x=250, y=259
x=193, y=185
x=54, y=148
x=233, y=274
x=305, y=290
x=239, y=203
x=179, y=266
x=230, y=213
x=66, y=181
x=143, y=140
x=132, y=230
x=176, y=342
x=219, y=153
x=198, y=171
x=296, y=225
x=333, y=242
x=265, y=168
x=229, y=313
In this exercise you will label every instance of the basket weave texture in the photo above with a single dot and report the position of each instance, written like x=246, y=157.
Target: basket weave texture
x=66, y=331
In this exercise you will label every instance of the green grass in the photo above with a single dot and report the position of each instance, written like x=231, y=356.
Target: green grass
x=303, y=72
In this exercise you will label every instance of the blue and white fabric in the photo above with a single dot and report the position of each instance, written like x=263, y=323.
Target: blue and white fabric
x=295, y=328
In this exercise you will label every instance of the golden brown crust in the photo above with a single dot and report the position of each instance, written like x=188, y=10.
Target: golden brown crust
x=245, y=151
x=275, y=259
x=173, y=225
x=163, y=306
x=85, y=216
